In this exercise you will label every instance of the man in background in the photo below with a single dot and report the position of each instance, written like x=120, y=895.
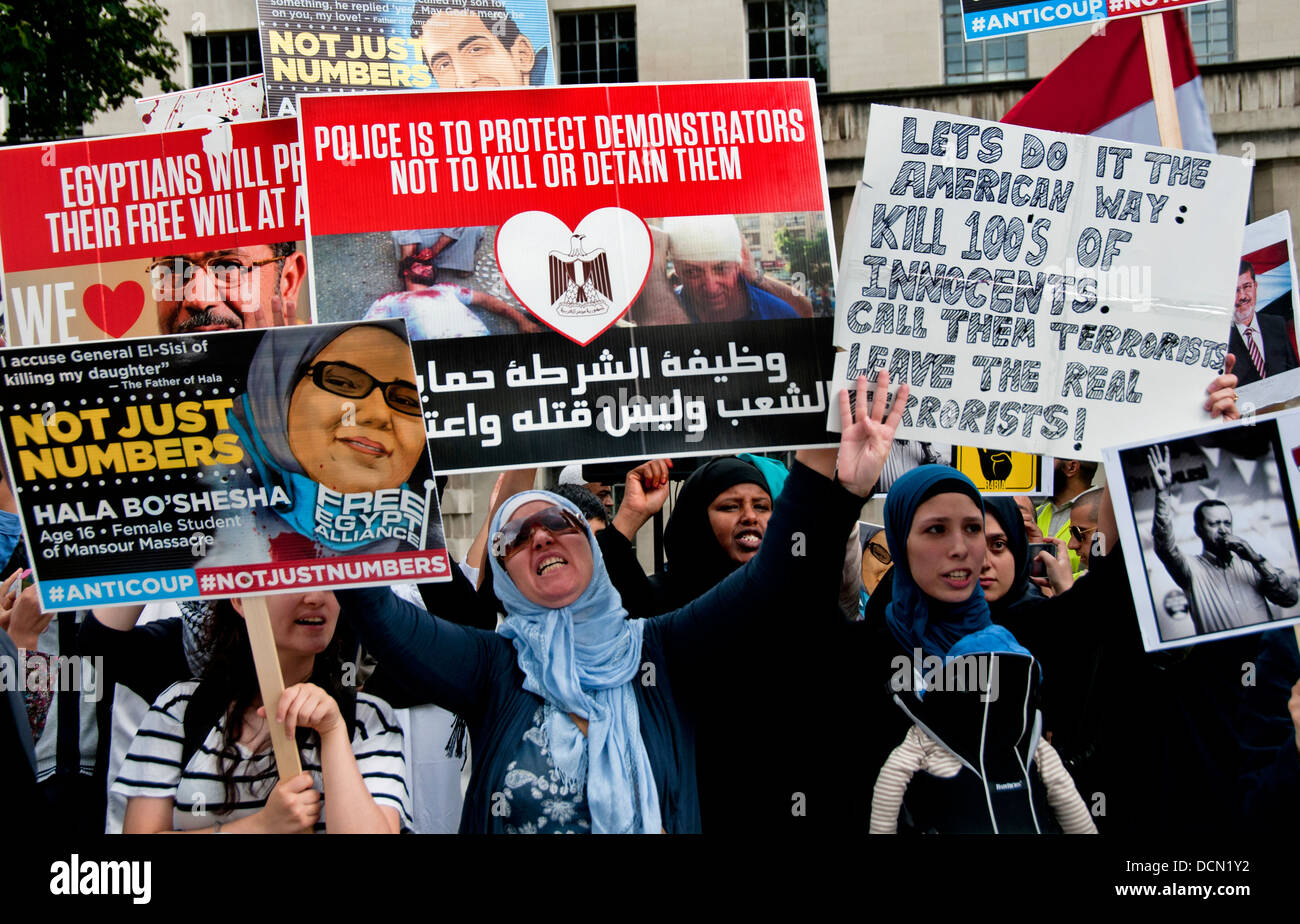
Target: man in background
x=1071, y=479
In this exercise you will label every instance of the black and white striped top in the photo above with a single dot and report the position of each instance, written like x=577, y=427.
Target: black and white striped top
x=152, y=766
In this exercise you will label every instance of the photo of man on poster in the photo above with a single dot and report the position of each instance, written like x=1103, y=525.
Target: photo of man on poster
x=1259, y=341
x=713, y=277
x=228, y=289
x=1229, y=584
x=468, y=44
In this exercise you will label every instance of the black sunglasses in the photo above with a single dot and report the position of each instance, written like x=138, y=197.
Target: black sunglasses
x=515, y=536
x=880, y=553
x=348, y=381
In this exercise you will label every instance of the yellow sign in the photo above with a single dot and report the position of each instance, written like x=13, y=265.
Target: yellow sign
x=1000, y=470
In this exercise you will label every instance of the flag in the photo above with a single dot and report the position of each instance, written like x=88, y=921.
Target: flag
x=1104, y=88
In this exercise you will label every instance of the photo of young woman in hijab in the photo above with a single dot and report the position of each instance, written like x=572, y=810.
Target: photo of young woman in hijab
x=331, y=420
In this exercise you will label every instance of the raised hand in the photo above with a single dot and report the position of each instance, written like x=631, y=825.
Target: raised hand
x=866, y=438
x=645, y=492
x=1162, y=469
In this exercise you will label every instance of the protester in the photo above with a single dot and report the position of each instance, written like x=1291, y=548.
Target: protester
x=61, y=693
x=353, y=759
x=594, y=511
x=560, y=695
x=1004, y=579
x=1072, y=479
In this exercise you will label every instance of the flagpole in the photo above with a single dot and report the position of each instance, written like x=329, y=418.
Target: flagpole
x=1162, y=80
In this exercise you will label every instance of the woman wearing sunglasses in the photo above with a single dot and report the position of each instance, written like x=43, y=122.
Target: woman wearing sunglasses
x=573, y=710
x=335, y=407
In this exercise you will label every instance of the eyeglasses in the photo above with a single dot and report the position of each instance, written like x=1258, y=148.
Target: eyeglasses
x=516, y=535
x=881, y=553
x=230, y=273
x=1081, y=534
x=347, y=381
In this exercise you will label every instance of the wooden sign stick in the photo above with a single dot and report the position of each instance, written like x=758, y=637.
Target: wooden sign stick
x=287, y=761
x=1162, y=80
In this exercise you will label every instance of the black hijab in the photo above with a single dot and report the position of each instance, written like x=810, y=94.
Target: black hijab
x=695, y=560
x=1023, y=591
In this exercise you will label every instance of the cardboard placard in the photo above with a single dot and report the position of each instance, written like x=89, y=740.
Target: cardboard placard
x=242, y=100
x=1268, y=288
x=221, y=465
x=358, y=46
x=1040, y=292
x=982, y=19
x=1207, y=523
x=90, y=229
x=546, y=325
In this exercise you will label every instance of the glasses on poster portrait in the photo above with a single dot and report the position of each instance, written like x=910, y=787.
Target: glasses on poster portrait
x=880, y=553
x=348, y=381
x=230, y=273
x=515, y=536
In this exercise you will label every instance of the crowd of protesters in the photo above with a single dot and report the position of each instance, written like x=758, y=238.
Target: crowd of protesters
x=788, y=667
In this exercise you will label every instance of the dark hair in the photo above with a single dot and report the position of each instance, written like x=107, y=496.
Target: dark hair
x=1089, y=502
x=587, y=502
x=1087, y=470
x=490, y=12
x=1246, y=267
x=1203, y=505
x=283, y=249
x=230, y=671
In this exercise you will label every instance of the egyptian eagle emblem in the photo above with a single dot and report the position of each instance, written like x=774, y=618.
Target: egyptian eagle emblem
x=580, y=280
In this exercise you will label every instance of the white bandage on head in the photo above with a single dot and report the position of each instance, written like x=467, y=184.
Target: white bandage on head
x=572, y=474
x=704, y=238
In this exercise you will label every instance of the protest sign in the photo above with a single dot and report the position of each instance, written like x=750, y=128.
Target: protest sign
x=997, y=471
x=1207, y=522
x=1040, y=292
x=595, y=273
x=1265, y=302
x=359, y=46
x=982, y=19
x=994, y=471
x=217, y=465
x=241, y=100
x=153, y=233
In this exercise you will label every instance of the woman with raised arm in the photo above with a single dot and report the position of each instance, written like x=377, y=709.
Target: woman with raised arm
x=572, y=708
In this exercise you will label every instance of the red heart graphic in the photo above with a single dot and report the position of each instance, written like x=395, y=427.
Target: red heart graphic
x=114, y=310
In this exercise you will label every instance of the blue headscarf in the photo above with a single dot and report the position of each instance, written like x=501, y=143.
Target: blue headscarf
x=581, y=659
x=915, y=619
x=260, y=420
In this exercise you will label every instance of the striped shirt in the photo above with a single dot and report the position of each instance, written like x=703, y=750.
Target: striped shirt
x=152, y=767
x=920, y=752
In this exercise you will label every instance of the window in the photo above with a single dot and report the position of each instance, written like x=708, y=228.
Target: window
x=787, y=38
x=1212, y=30
x=224, y=56
x=976, y=62
x=598, y=47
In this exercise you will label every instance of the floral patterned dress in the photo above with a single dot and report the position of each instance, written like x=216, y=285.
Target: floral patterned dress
x=537, y=799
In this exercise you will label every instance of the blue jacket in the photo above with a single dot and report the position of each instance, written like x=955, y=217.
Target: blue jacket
x=474, y=673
